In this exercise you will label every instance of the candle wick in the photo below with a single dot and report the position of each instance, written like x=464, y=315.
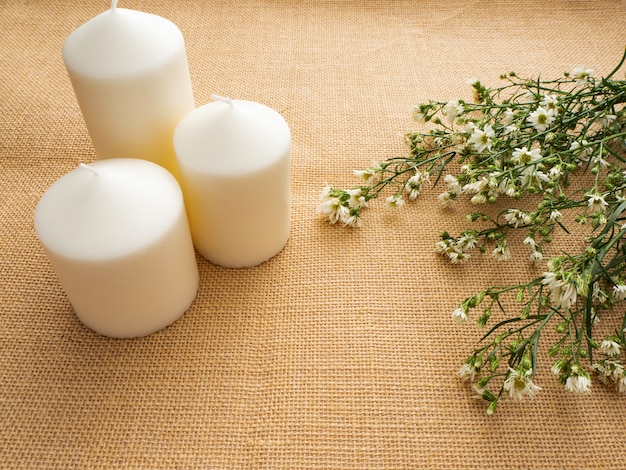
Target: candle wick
x=88, y=168
x=113, y=5
x=228, y=101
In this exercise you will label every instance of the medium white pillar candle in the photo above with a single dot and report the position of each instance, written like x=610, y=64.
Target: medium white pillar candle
x=117, y=236
x=130, y=75
x=234, y=162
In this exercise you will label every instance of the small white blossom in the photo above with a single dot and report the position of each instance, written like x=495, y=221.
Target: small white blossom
x=530, y=241
x=393, y=202
x=515, y=217
x=606, y=119
x=562, y=292
x=523, y=156
x=418, y=115
x=509, y=115
x=459, y=315
x=550, y=103
x=367, y=175
x=536, y=256
x=596, y=203
x=578, y=384
x=414, y=184
x=555, y=172
x=619, y=292
x=556, y=216
x=510, y=129
x=610, y=348
x=458, y=257
x=445, y=198
x=451, y=110
x=582, y=75
x=501, y=252
x=482, y=139
x=467, y=372
x=518, y=386
x=453, y=183
x=541, y=118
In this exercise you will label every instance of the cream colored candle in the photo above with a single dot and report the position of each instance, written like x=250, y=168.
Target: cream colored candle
x=234, y=162
x=117, y=236
x=130, y=75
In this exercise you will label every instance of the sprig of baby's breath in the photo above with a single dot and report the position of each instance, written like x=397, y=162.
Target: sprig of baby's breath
x=559, y=147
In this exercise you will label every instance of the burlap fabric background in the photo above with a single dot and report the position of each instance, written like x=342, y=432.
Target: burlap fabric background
x=338, y=353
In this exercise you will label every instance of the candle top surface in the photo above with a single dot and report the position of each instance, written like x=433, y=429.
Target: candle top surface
x=108, y=209
x=231, y=139
x=120, y=42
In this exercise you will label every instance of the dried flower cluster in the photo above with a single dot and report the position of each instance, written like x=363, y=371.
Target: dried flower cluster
x=527, y=141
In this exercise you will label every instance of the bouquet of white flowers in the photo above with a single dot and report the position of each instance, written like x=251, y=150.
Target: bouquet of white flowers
x=527, y=140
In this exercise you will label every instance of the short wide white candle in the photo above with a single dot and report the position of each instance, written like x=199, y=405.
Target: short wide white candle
x=117, y=236
x=130, y=75
x=234, y=162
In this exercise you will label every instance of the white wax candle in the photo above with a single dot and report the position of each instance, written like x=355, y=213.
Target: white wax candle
x=130, y=75
x=117, y=236
x=234, y=162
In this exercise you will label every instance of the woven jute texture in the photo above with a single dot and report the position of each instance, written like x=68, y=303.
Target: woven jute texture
x=339, y=353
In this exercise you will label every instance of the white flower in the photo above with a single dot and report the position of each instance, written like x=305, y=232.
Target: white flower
x=418, y=115
x=530, y=241
x=518, y=385
x=509, y=115
x=482, y=139
x=501, y=252
x=479, y=198
x=510, y=129
x=393, y=202
x=578, y=384
x=414, y=184
x=530, y=174
x=621, y=385
x=619, y=292
x=445, y=198
x=466, y=241
x=458, y=257
x=516, y=218
x=541, y=118
x=459, y=315
x=443, y=246
x=550, y=103
x=452, y=110
x=473, y=81
x=596, y=203
x=556, y=216
x=536, y=256
x=453, y=183
x=606, y=119
x=562, y=292
x=467, y=372
x=367, y=175
x=598, y=160
x=523, y=156
x=582, y=75
x=555, y=172
x=557, y=367
x=335, y=211
x=610, y=348
x=357, y=200
x=580, y=149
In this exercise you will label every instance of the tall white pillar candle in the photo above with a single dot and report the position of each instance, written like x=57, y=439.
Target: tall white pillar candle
x=117, y=236
x=130, y=75
x=234, y=162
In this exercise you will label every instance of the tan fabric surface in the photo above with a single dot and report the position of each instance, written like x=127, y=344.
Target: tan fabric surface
x=337, y=354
